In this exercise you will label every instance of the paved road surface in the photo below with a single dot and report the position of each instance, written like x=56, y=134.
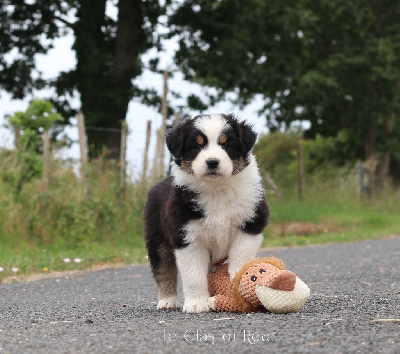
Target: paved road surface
x=113, y=311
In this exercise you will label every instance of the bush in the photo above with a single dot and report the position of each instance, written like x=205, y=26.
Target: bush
x=277, y=154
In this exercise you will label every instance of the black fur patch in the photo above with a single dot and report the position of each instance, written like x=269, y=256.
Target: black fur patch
x=167, y=211
x=241, y=137
x=182, y=142
x=256, y=225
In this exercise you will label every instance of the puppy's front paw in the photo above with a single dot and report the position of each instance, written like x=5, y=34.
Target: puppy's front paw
x=169, y=303
x=196, y=306
x=233, y=269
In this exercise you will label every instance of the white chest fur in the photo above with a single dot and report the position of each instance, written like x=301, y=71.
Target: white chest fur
x=226, y=203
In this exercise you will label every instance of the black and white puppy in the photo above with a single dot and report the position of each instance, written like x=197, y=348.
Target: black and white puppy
x=211, y=207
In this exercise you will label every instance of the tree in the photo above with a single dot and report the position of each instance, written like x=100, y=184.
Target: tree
x=108, y=56
x=23, y=25
x=40, y=116
x=334, y=63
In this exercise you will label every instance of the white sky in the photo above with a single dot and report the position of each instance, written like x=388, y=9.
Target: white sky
x=62, y=58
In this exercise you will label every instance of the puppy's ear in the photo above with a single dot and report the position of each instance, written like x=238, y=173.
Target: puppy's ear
x=247, y=137
x=175, y=140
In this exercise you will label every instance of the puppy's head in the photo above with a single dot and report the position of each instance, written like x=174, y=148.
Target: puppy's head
x=211, y=146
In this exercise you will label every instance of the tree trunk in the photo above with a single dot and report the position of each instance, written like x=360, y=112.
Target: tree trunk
x=91, y=84
x=107, y=86
x=126, y=65
x=301, y=183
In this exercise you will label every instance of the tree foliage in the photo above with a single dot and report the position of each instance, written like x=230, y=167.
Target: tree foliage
x=108, y=54
x=23, y=27
x=333, y=63
x=39, y=117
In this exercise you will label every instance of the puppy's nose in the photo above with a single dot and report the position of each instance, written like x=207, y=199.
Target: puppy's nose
x=212, y=163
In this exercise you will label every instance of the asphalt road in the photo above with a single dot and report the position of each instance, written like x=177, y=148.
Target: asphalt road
x=353, y=288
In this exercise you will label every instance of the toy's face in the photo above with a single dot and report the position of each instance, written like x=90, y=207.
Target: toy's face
x=265, y=275
x=277, y=290
x=258, y=274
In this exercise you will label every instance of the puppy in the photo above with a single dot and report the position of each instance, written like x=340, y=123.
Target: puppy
x=211, y=207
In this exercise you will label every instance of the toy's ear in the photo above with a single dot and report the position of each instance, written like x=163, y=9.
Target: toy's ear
x=175, y=140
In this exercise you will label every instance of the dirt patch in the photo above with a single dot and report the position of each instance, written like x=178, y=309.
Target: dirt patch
x=304, y=228
x=57, y=274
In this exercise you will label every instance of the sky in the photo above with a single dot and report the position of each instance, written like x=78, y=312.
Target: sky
x=62, y=58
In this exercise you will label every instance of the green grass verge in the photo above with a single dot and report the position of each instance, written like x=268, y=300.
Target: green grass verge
x=41, y=227
x=53, y=257
x=335, y=220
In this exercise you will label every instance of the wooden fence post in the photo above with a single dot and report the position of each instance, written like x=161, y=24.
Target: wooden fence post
x=124, y=130
x=158, y=163
x=17, y=137
x=83, y=148
x=46, y=158
x=177, y=119
x=164, y=111
x=301, y=182
x=146, y=156
x=270, y=181
x=371, y=165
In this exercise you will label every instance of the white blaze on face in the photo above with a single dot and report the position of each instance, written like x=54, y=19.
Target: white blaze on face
x=212, y=126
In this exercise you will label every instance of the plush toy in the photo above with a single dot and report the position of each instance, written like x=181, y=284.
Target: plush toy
x=261, y=285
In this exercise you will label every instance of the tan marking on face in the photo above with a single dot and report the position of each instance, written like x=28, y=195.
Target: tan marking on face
x=186, y=166
x=223, y=139
x=239, y=165
x=200, y=140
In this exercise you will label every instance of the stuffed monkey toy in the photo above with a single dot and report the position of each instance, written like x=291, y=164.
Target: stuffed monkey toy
x=261, y=285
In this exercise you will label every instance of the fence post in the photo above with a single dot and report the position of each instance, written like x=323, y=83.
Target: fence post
x=301, y=182
x=16, y=137
x=158, y=163
x=177, y=119
x=164, y=112
x=271, y=182
x=371, y=165
x=146, y=155
x=46, y=158
x=83, y=148
x=124, y=130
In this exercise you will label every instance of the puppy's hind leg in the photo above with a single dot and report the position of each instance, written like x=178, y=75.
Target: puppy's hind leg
x=165, y=272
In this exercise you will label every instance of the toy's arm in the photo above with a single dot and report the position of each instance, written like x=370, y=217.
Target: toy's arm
x=218, y=281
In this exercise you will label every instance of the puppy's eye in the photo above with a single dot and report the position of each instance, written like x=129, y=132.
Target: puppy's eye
x=199, y=140
x=262, y=271
x=253, y=278
x=222, y=139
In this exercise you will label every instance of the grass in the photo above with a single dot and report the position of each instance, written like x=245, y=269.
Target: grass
x=330, y=215
x=41, y=227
